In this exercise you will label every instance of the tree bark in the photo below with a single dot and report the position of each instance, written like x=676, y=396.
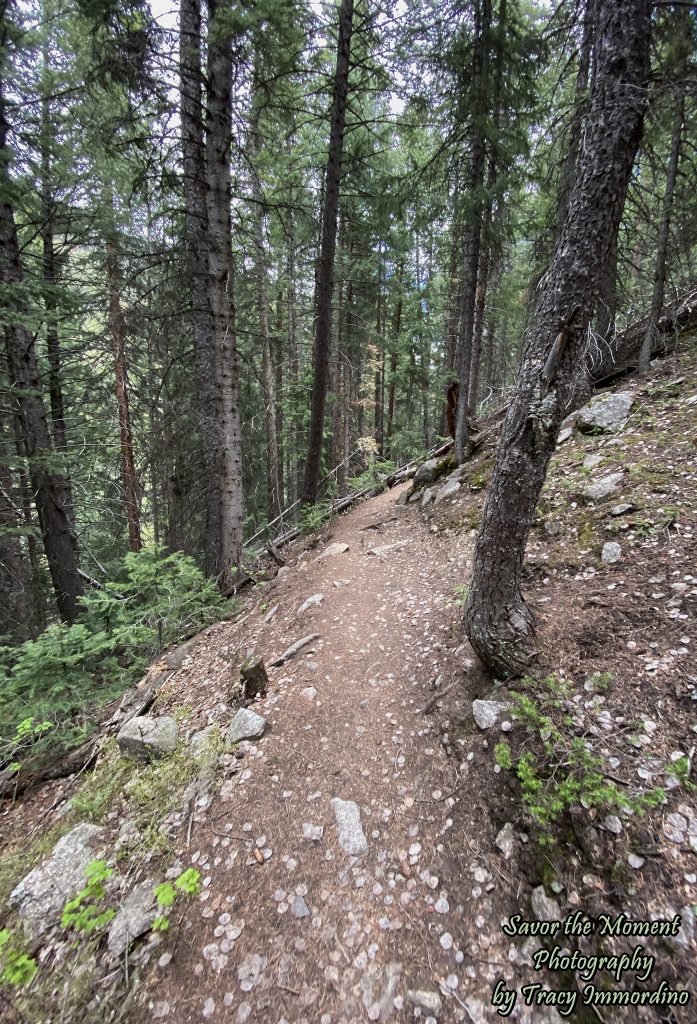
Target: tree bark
x=195, y=240
x=659, y=273
x=499, y=623
x=325, y=278
x=51, y=489
x=274, y=503
x=220, y=285
x=118, y=343
x=473, y=233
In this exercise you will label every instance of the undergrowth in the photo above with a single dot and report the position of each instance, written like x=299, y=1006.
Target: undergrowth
x=62, y=677
x=555, y=767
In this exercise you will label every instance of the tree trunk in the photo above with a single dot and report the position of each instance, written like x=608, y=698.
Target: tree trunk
x=220, y=284
x=195, y=238
x=499, y=624
x=274, y=503
x=118, y=343
x=473, y=233
x=51, y=489
x=325, y=278
x=659, y=273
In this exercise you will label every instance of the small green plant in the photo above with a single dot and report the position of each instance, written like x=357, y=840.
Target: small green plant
x=16, y=967
x=503, y=756
x=559, y=770
x=462, y=592
x=601, y=681
x=86, y=912
x=680, y=770
x=187, y=884
x=312, y=517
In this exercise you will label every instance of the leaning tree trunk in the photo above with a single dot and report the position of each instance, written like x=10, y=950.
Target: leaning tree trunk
x=220, y=283
x=195, y=234
x=325, y=277
x=51, y=489
x=659, y=274
x=554, y=373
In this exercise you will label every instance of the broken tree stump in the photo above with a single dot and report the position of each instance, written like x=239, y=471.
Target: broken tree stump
x=254, y=678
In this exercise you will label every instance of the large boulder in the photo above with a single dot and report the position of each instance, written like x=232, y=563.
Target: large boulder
x=145, y=738
x=427, y=472
x=41, y=896
x=605, y=414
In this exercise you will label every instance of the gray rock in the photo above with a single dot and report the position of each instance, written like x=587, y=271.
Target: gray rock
x=136, y=915
x=686, y=935
x=564, y=434
x=41, y=896
x=543, y=907
x=334, y=549
x=604, y=487
x=348, y=819
x=487, y=712
x=384, y=549
x=299, y=908
x=246, y=725
x=312, y=602
x=452, y=487
x=459, y=473
x=427, y=471
x=635, y=861
x=427, y=496
x=295, y=648
x=146, y=738
x=505, y=840
x=607, y=413
x=619, y=510
x=431, y=1002
x=591, y=461
x=613, y=824
x=309, y=693
x=611, y=553
x=312, y=832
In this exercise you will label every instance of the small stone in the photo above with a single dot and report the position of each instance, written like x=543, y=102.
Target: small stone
x=611, y=553
x=246, y=725
x=431, y=1002
x=135, y=916
x=505, y=840
x=613, y=824
x=312, y=832
x=299, y=908
x=333, y=549
x=544, y=908
x=441, y=906
x=605, y=413
x=487, y=712
x=603, y=488
x=309, y=693
x=312, y=602
x=446, y=940
x=348, y=819
x=635, y=861
x=208, y=1007
x=145, y=738
x=591, y=461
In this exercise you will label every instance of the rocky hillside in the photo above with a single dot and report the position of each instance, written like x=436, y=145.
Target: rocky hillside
x=325, y=811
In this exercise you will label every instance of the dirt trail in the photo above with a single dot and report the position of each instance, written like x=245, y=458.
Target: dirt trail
x=314, y=934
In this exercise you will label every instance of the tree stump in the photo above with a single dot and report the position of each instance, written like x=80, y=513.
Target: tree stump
x=254, y=678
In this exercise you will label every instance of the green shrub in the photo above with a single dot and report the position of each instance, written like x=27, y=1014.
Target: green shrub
x=65, y=674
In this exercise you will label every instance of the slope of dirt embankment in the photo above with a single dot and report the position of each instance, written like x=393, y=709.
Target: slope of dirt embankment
x=356, y=862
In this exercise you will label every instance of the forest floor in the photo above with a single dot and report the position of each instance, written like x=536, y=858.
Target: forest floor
x=289, y=928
